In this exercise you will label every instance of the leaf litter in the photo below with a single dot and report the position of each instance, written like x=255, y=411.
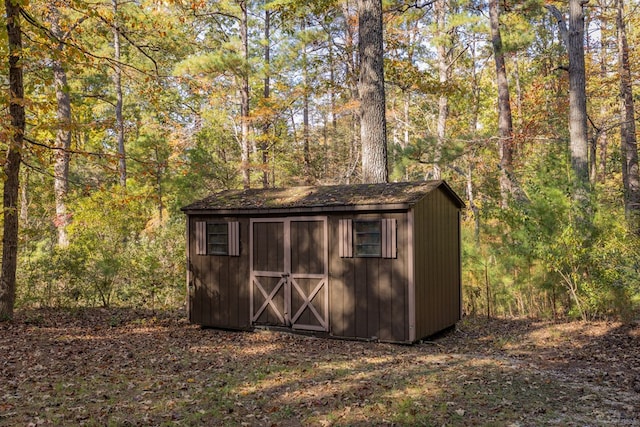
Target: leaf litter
x=133, y=367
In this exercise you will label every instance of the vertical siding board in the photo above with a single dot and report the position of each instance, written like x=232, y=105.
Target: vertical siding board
x=232, y=264
x=385, y=313
x=233, y=289
x=374, y=280
x=358, y=311
x=404, y=311
x=243, y=275
x=419, y=242
x=201, y=292
x=350, y=301
x=220, y=265
x=398, y=285
x=200, y=279
x=212, y=285
x=410, y=293
x=194, y=266
x=336, y=277
x=190, y=276
x=423, y=267
x=298, y=257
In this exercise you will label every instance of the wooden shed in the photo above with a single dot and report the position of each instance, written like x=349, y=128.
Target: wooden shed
x=368, y=261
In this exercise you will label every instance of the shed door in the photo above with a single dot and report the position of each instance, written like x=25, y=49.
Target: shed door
x=289, y=273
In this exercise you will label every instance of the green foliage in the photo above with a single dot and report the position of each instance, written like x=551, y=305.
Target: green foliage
x=536, y=261
x=115, y=257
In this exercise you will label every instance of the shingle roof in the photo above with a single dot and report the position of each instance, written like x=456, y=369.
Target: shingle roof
x=320, y=197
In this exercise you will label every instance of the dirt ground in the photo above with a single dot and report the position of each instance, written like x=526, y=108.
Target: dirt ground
x=127, y=367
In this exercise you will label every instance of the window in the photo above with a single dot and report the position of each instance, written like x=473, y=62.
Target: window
x=367, y=238
x=217, y=238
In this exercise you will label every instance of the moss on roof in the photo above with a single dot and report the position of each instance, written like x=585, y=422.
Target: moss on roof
x=319, y=196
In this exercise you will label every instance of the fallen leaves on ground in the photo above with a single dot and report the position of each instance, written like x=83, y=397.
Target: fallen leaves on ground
x=128, y=367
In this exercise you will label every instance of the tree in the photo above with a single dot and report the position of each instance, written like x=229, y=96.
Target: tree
x=63, y=133
x=371, y=92
x=505, y=120
x=629, y=144
x=573, y=38
x=244, y=95
x=117, y=82
x=444, y=74
x=266, y=91
x=12, y=162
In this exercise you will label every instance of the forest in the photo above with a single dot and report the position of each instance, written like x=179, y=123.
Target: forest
x=116, y=113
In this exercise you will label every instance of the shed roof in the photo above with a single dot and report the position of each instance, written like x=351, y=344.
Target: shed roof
x=397, y=195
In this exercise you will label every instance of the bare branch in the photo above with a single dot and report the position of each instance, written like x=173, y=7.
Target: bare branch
x=562, y=23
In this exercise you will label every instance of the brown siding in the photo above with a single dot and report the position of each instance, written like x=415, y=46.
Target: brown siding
x=368, y=296
x=219, y=284
x=437, y=264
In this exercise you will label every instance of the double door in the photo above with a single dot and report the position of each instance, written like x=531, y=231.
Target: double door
x=289, y=273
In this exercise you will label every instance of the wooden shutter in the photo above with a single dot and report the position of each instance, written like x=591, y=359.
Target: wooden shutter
x=234, y=238
x=201, y=238
x=345, y=248
x=388, y=238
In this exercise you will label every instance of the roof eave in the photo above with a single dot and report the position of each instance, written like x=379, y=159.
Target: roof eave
x=300, y=210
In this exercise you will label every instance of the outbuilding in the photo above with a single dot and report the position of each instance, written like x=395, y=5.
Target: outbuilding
x=368, y=261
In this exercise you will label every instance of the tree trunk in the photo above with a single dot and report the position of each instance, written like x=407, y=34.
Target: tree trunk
x=371, y=91
x=578, y=97
x=117, y=81
x=440, y=10
x=12, y=163
x=332, y=81
x=631, y=179
x=406, y=102
x=505, y=120
x=244, y=98
x=266, y=94
x=63, y=134
x=306, y=149
x=601, y=139
x=573, y=37
x=352, y=81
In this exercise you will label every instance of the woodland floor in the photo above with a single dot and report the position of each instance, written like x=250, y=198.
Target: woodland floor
x=127, y=367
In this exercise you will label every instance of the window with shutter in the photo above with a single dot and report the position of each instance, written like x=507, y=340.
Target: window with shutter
x=368, y=238
x=217, y=238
